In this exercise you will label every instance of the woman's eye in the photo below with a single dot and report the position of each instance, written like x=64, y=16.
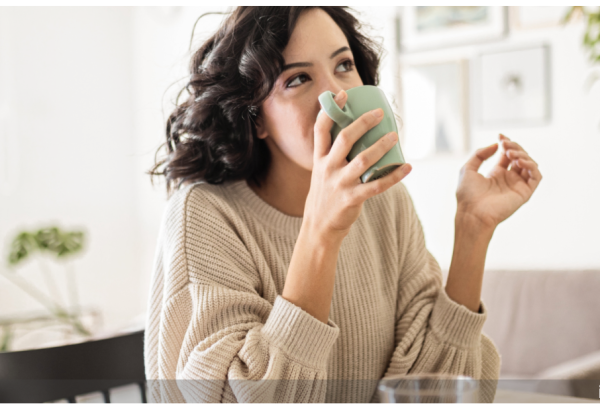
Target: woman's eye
x=298, y=79
x=347, y=65
x=301, y=78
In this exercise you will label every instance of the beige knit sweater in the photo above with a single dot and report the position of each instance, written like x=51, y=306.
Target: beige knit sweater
x=218, y=329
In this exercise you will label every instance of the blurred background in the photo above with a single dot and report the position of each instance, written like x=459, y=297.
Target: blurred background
x=84, y=94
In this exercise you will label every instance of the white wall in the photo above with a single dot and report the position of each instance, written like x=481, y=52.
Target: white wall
x=70, y=95
x=559, y=227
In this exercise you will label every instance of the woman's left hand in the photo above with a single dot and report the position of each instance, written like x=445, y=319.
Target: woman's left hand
x=510, y=184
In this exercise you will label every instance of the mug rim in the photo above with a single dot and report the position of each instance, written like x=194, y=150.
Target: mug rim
x=468, y=383
x=428, y=375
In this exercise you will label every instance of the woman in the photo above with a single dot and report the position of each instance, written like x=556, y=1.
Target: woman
x=279, y=275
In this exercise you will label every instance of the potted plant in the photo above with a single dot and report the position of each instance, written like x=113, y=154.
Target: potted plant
x=45, y=243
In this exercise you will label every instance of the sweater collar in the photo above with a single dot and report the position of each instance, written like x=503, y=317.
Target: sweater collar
x=267, y=214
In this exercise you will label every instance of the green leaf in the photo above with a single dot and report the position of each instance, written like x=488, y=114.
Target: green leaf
x=569, y=14
x=51, y=240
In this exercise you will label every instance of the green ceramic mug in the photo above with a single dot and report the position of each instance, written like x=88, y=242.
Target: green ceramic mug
x=361, y=100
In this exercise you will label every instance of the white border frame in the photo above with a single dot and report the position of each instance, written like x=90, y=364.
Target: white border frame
x=465, y=71
x=476, y=94
x=414, y=41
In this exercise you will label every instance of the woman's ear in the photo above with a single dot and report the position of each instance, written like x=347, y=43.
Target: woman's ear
x=261, y=132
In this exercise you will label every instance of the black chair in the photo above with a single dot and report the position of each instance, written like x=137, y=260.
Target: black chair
x=56, y=373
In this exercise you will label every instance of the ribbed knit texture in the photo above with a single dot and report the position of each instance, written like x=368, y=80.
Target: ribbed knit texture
x=218, y=329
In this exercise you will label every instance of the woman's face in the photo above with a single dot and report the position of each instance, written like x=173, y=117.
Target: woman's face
x=317, y=59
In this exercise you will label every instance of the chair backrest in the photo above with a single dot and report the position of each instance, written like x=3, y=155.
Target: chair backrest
x=541, y=318
x=67, y=371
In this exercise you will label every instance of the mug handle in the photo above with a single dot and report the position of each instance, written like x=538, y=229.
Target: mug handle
x=341, y=117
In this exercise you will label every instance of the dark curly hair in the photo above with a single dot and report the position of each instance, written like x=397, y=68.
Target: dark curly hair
x=211, y=136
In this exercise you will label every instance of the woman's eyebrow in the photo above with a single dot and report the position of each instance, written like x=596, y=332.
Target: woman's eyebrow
x=306, y=64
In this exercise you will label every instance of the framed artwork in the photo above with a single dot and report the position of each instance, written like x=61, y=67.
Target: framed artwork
x=429, y=27
x=436, y=109
x=513, y=87
x=536, y=17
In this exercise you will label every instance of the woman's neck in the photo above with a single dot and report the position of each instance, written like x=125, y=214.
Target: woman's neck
x=285, y=189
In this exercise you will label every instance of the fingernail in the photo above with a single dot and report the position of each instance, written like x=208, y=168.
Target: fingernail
x=406, y=168
x=378, y=113
x=392, y=136
x=340, y=95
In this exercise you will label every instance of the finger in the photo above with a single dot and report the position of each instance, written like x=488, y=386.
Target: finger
x=504, y=160
x=322, y=130
x=351, y=133
x=480, y=156
x=514, y=168
x=524, y=172
x=508, y=144
x=340, y=98
x=513, y=155
x=362, y=192
x=531, y=168
x=535, y=176
x=527, y=164
x=365, y=159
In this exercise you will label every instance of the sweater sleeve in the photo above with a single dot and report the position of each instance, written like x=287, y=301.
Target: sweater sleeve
x=433, y=333
x=219, y=338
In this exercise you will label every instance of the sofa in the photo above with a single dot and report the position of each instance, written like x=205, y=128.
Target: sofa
x=546, y=325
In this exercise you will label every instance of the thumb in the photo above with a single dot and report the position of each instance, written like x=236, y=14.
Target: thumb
x=480, y=156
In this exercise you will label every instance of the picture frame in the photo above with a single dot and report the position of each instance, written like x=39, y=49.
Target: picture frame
x=536, y=17
x=512, y=87
x=436, y=109
x=431, y=27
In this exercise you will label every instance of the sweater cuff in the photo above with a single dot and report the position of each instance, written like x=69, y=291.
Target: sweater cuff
x=299, y=334
x=455, y=323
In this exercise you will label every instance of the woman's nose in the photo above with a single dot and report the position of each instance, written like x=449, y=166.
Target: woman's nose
x=335, y=90
x=329, y=82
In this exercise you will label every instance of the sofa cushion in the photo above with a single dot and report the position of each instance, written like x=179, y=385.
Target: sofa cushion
x=541, y=318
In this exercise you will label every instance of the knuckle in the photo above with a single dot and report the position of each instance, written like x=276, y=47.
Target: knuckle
x=342, y=142
x=368, y=121
x=327, y=166
x=362, y=162
x=343, y=137
x=377, y=189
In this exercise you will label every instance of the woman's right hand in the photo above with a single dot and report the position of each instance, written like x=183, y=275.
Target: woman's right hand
x=337, y=194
